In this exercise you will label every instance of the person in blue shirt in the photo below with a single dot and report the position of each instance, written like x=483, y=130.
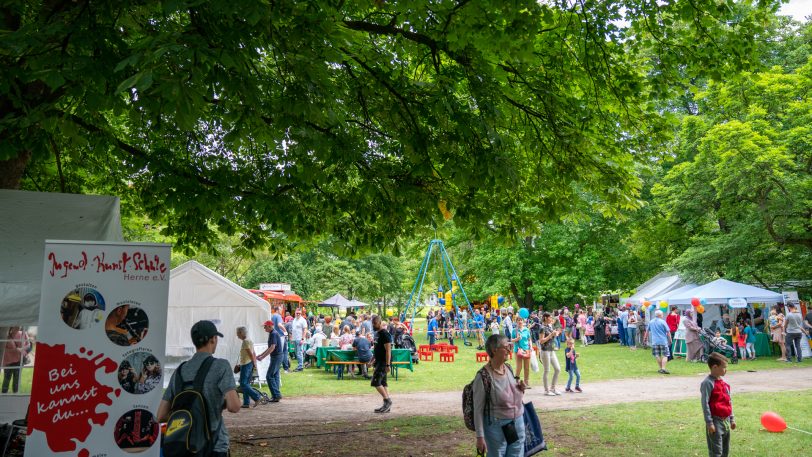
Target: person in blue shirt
x=750, y=347
x=432, y=330
x=479, y=328
x=660, y=340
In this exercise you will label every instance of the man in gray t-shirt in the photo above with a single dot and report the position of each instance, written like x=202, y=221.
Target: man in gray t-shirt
x=793, y=328
x=218, y=387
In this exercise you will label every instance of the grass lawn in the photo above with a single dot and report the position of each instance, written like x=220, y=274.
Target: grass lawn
x=668, y=429
x=597, y=363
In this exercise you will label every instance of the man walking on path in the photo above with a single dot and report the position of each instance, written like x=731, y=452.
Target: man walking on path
x=793, y=328
x=383, y=360
x=660, y=340
x=277, y=353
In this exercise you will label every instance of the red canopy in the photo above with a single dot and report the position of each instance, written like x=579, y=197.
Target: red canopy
x=279, y=296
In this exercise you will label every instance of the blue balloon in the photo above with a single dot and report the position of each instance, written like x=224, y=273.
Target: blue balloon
x=441, y=301
x=652, y=308
x=524, y=313
x=500, y=299
x=703, y=302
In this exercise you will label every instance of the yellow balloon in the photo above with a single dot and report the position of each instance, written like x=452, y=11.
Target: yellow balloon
x=389, y=313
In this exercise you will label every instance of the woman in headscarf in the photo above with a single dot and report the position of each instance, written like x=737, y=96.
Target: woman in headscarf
x=600, y=328
x=692, y=340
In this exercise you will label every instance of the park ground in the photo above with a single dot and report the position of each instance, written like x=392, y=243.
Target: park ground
x=627, y=409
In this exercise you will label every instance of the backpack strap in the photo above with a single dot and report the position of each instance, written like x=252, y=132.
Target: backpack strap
x=200, y=377
x=179, y=378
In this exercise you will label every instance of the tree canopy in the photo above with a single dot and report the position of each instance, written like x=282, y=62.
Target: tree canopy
x=361, y=120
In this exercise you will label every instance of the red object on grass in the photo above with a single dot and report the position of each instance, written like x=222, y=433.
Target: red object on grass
x=773, y=422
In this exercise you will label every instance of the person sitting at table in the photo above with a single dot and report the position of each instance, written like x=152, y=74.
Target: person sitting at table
x=315, y=341
x=346, y=339
x=334, y=337
x=364, y=349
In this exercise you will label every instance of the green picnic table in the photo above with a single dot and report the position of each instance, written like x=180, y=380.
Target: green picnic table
x=321, y=355
x=401, y=358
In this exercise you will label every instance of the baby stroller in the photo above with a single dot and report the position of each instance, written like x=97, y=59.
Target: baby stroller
x=707, y=337
x=405, y=341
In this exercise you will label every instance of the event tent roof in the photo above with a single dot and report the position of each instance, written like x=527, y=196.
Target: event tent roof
x=337, y=301
x=29, y=218
x=357, y=304
x=672, y=293
x=721, y=291
x=658, y=285
x=276, y=295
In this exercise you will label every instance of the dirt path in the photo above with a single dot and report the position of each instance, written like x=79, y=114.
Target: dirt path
x=321, y=409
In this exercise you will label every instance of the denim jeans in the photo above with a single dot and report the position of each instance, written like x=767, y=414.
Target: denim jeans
x=273, y=374
x=300, y=354
x=11, y=376
x=621, y=333
x=245, y=383
x=286, y=352
x=495, y=438
x=631, y=333
x=432, y=339
x=577, y=374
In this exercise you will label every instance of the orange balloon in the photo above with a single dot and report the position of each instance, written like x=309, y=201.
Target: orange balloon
x=646, y=303
x=773, y=422
x=700, y=309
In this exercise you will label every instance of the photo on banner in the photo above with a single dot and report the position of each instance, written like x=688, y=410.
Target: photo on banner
x=99, y=371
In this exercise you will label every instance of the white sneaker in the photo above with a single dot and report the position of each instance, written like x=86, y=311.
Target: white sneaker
x=555, y=392
x=550, y=393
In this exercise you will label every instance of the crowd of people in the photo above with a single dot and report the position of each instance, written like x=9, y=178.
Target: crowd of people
x=497, y=388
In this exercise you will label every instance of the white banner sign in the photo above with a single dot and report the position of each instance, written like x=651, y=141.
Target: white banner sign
x=99, y=361
x=737, y=303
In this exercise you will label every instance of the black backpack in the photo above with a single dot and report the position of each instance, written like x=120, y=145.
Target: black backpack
x=188, y=432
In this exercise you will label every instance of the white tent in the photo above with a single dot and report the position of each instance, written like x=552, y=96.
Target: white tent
x=721, y=291
x=678, y=290
x=29, y=218
x=658, y=285
x=198, y=293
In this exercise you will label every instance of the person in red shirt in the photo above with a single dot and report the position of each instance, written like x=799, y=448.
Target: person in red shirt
x=672, y=320
x=717, y=407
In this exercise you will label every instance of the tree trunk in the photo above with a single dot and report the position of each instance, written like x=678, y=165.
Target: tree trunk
x=12, y=170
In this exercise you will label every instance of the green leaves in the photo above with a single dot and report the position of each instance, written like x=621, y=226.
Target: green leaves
x=353, y=120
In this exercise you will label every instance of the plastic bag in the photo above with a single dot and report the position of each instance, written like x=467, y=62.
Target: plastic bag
x=534, y=361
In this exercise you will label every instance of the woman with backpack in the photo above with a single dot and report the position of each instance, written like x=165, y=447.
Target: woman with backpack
x=497, y=403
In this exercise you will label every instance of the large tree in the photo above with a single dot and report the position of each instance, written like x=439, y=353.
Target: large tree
x=741, y=184
x=356, y=119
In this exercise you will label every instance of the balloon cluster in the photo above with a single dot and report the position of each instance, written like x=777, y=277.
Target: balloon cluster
x=699, y=305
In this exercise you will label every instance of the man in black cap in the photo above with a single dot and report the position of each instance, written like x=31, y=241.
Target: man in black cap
x=218, y=388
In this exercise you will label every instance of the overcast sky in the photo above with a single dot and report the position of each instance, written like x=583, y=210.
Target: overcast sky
x=798, y=9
